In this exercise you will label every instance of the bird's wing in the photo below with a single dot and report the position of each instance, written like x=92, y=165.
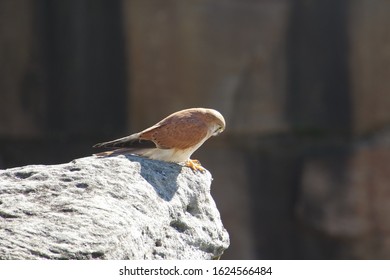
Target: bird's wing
x=180, y=131
x=179, y=135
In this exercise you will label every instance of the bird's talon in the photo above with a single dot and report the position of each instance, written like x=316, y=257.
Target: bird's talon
x=194, y=165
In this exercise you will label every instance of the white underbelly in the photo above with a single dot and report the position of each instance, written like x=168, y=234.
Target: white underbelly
x=171, y=155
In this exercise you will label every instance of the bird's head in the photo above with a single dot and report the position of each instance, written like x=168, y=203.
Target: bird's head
x=218, y=123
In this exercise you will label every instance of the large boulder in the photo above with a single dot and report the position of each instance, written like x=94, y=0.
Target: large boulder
x=123, y=207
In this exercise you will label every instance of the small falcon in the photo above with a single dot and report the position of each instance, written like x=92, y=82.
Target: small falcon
x=173, y=139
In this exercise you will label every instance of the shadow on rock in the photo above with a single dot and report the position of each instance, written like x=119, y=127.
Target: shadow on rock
x=162, y=176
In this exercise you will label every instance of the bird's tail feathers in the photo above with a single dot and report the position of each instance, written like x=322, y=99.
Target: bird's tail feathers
x=125, y=151
x=122, y=142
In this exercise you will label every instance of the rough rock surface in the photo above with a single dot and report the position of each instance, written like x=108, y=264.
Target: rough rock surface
x=109, y=208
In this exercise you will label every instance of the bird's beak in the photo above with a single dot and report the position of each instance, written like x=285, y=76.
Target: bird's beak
x=219, y=131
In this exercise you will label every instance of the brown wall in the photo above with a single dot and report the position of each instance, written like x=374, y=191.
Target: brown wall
x=301, y=171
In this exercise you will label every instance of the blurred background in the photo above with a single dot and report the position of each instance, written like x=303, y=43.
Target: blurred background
x=302, y=170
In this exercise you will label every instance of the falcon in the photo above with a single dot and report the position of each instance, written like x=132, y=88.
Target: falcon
x=173, y=139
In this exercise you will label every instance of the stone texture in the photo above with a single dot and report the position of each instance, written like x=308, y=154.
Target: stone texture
x=109, y=208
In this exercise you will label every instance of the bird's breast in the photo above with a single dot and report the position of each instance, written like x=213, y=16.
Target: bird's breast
x=171, y=155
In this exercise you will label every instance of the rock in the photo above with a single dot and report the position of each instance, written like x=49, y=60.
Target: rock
x=109, y=208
